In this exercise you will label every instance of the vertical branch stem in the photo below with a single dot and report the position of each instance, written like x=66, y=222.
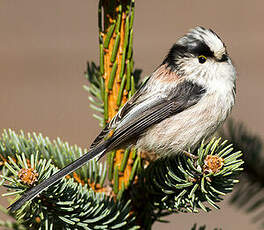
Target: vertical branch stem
x=116, y=58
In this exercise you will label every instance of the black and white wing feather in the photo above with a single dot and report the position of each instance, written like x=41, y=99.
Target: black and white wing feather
x=142, y=111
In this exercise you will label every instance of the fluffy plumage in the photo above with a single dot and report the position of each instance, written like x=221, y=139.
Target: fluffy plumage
x=184, y=100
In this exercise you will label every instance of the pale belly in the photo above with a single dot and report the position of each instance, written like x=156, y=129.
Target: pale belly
x=184, y=130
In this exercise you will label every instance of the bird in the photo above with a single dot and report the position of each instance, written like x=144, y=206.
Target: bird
x=184, y=101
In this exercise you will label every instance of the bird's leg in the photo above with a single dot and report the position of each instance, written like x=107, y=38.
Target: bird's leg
x=190, y=155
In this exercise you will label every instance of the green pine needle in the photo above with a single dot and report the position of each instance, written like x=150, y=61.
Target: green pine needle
x=67, y=203
x=59, y=152
x=182, y=184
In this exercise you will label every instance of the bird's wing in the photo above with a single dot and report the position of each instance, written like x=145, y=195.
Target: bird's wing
x=141, y=117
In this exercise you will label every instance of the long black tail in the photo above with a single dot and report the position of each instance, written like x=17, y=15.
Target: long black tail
x=34, y=191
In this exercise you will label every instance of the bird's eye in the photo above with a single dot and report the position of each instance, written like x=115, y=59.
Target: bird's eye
x=202, y=59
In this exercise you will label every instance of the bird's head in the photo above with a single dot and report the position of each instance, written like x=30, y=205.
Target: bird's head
x=200, y=56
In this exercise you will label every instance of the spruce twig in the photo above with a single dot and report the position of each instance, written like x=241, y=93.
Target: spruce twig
x=116, y=36
x=65, y=205
x=179, y=184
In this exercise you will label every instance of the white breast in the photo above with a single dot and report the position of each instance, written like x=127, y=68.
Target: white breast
x=188, y=128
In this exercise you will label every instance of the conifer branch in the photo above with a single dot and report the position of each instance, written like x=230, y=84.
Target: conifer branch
x=180, y=184
x=61, y=154
x=68, y=203
x=116, y=69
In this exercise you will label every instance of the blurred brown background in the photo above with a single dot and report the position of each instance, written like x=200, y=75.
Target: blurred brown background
x=44, y=46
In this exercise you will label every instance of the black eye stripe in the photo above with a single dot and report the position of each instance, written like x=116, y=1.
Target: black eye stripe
x=200, y=48
x=189, y=48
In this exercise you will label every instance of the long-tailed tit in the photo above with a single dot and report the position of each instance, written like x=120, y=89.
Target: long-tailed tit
x=183, y=102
